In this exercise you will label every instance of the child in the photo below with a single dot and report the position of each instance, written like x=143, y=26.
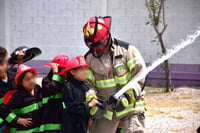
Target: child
x=19, y=55
x=76, y=115
x=52, y=103
x=25, y=103
x=6, y=81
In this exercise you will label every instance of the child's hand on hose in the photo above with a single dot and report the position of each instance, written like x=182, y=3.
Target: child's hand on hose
x=24, y=121
x=92, y=103
x=54, y=67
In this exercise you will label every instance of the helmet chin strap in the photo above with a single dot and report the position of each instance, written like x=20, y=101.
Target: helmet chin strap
x=99, y=54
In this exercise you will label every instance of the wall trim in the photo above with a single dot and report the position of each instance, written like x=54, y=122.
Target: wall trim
x=182, y=74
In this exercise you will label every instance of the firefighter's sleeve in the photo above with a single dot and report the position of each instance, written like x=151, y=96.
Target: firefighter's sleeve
x=72, y=104
x=136, y=65
x=90, y=82
x=6, y=113
x=53, y=86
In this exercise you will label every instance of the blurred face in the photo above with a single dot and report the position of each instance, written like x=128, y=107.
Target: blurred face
x=4, y=65
x=3, y=68
x=29, y=81
x=104, y=48
x=80, y=73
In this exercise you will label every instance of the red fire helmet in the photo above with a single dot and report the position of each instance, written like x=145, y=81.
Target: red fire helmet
x=76, y=62
x=61, y=60
x=23, y=68
x=96, y=31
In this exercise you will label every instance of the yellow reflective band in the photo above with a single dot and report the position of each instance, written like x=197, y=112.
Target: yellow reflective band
x=28, y=109
x=140, y=105
x=10, y=117
x=90, y=92
x=1, y=120
x=108, y=115
x=57, y=78
x=131, y=94
x=108, y=83
x=1, y=100
x=94, y=110
x=56, y=96
x=131, y=64
x=33, y=130
x=123, y=79
x=90, y=97
x=90, y=76
x=64, y=106
x=47, y=127
x=125, y=111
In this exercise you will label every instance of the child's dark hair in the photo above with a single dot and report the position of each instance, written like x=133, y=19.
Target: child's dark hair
x=69, y=74
x=3, y=54
x=22, y=76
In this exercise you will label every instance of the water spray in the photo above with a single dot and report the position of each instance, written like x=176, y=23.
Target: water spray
x=189, y=40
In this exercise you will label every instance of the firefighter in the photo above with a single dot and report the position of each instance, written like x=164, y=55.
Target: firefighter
x=52, y=103
x=113, y=63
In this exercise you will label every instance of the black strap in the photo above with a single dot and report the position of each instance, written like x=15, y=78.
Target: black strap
x=96, y=24
x=121, y=43
x=88, y=52
x=145, y=82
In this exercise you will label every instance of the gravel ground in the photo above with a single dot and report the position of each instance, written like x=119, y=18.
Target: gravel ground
x=175, y=112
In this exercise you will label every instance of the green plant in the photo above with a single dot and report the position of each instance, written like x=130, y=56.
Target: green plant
x=156, y=9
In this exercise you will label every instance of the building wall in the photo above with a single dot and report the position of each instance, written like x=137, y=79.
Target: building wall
x=56, y=25
x=2, y=23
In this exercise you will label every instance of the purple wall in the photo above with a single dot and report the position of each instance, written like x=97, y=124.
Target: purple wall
x=182, y=74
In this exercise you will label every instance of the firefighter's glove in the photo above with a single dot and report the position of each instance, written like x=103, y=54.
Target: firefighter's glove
x=119, y=104
x=99, y=110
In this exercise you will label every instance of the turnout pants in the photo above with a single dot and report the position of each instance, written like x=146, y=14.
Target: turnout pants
x=133, y=122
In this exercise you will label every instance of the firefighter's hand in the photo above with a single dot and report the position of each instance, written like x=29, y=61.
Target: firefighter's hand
x=54, y=67
x=24, y=121
x=92, y=103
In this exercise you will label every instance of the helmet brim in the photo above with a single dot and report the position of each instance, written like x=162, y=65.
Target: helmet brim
x=49, y=65
x=30, y=54
x=69, y=68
